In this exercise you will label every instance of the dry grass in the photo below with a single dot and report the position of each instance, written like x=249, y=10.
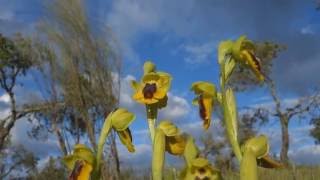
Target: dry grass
x=298, y=173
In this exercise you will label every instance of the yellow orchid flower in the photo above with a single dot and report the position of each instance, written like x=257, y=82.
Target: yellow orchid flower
x=255, y=150
x=242, y=51
x=118, y=120
x=206, y=95
x=202, y=169
x=80, y=162
x=152, y=89
x=168, y=138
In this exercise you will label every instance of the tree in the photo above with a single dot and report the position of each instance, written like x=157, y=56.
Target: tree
x=77, y=76
x=53, y=170
x=16, y=159
x=14, y=62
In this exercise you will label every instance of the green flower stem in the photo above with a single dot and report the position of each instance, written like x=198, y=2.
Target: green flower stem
x=229, y=122
x=151, y=124
x=152, y=112
x=107, y=126
x=158, y=156
x=248, y=167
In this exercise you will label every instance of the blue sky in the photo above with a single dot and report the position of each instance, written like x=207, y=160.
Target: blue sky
x=181, y=38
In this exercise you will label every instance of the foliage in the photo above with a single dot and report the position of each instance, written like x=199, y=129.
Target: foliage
x=15, y=158
x=315, y=131
x=51, y=171
x=15, y=59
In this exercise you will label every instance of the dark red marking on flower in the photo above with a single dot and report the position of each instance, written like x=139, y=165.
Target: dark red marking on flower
x=204, y=178
x=76, y=170
x=202, y=109
x=256, y=61
x=129, y=133
x=202, y=170
x=149, y=90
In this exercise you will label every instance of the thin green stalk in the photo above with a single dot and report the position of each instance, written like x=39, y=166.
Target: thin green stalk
x=107, y=126
x=248, y=167
x=232, y=136
x=152, y=112
x=158, y=156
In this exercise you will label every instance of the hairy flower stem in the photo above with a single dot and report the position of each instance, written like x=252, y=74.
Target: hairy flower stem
x=152, y=113
x=248, y=167
x=230, y=124
x=102, y=139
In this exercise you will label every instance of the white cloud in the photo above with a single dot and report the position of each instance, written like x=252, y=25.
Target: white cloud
x=5, y=98
x=39, y=148
x=307, y=30
x=200, y=53
x=6, y=15
x=309, y=154
x=177, y=107
x=142, y=155
x=130, y=18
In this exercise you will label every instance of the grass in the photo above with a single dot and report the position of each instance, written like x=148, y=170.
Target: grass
x=298, y=173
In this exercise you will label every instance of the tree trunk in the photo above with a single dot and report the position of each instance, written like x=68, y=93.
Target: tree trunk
x=284, y=121
x=6, y=127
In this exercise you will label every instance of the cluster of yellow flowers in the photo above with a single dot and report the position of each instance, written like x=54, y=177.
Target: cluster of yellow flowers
x=152, y=91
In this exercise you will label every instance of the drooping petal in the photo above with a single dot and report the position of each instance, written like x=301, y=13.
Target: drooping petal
x=126, y=139
x=205, y=110
x=202, y=87
x=253, y=63
x=267, y=162
x=175, y=145
x=85, y=153
x=257, y=146
x=121, y=119
x=168, y=128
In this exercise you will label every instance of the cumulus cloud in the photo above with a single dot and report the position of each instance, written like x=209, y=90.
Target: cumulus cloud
x=4, y=98
x=39, y=148
x=198, y=53
x=177, y=108
x=6, y=15
x=309, y=154
x=207, y=21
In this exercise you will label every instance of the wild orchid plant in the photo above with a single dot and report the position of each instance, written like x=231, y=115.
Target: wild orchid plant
x=166, y=137
x=84, y=163
x=231, y=53
x=152, y=91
